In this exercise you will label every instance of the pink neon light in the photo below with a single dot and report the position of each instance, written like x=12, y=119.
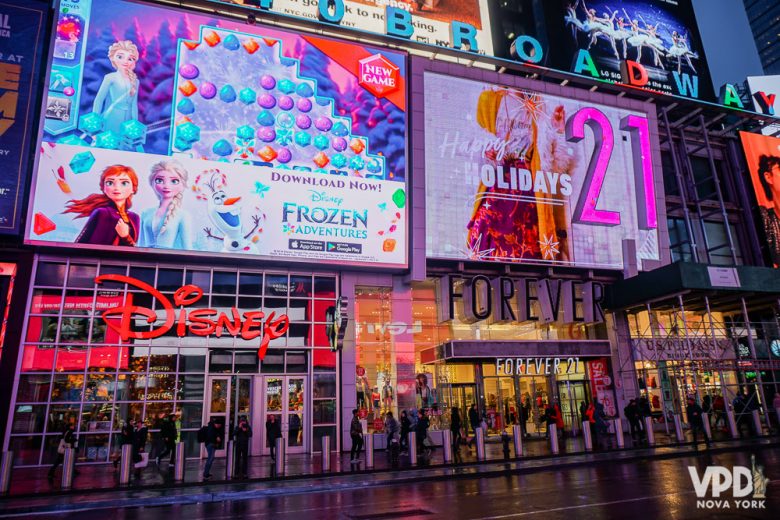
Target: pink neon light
x=639, y=129
x=604, y=139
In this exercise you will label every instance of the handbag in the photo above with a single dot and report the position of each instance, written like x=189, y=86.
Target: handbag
x=61, y=446
x=143, y=462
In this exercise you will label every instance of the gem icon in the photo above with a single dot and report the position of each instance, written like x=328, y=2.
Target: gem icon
x=266, y=118
x=266, y=101
x=208, y=90
x=286, y=103
x=267, y=153
x=108, y=140
x=338, y=160
x=399, y=198
x=82, y=162
x=222, y=148
x=266, y=134
x=91, y=123
x=185, y=106
x=303, y=122
x=247, y=96
x=321, y=159
x=267, y=81
x=323, y=123
x=42, y=224
x=251, y=46
x=231, y=42
x=284, y=155
x=227, y=94
x=302, y=139
x=212, y=38
x=189, y=71
x=245, y=132
x=357, y=163
x=321, y=142
x=339, y=144
x=357, y=146
x=286, y=86
x=188, y=88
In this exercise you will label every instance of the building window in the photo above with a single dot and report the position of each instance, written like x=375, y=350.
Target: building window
x=718, y=244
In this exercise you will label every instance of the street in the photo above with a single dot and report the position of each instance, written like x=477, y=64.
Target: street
x=660, y=488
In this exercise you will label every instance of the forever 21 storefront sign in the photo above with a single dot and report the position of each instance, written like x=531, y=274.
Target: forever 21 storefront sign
x=248, y=325
x=544, y=300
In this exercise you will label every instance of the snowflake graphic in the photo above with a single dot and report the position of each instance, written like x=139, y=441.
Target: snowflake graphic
x=548, y=247
x=261, y=189
x=474, y=253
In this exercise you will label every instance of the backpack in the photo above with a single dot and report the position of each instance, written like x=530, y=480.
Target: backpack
x=203, y=434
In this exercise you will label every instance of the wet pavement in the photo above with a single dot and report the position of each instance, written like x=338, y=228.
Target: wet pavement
x=649, y=488
x=34, y=481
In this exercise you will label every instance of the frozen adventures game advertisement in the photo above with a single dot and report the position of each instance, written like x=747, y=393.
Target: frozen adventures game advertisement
x=187, y=133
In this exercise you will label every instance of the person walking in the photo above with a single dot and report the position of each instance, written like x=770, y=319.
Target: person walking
x=214, y=436
x=168, y=436
x=126, y=436
x=455, y=426
x=392, y=430
x=273, y=430
x=242, y=435
x=559, y=424
x=590, y=416
x=473, y=421
x=356, y=434
x=740, y=411
x=549, y=418
x=67, y=440
x=406, y=427
x=525, y=413
x=695, y=419
x=423, y=423
x=631, y=412
x=719, y=406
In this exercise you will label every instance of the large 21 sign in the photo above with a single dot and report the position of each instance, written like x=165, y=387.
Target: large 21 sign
x=585, y=211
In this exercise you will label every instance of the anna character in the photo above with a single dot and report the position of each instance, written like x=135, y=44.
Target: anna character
x=167, y=226
x=110, y=221
x=117, y=98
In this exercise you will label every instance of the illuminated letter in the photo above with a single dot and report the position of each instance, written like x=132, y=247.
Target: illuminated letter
x=765, y=102
x=583, y=62
x=729, y=96
x=604, y=141
x=129, y=312
x=518, y=49
x=628, y=73
x=685, y=83
x=643, y=169
x=398, y=22
x=461, y=33
x=338, y=11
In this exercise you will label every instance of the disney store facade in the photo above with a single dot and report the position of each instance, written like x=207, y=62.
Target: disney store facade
x=75, y=368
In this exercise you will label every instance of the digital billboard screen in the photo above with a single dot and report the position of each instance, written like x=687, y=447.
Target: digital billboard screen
x=655, y=43
x=430, y=21
x=181, y=132
x=763, y=159
x=518, y=176
x=22, y=31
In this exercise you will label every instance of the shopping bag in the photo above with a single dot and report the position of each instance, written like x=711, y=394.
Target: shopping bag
x=143, y=462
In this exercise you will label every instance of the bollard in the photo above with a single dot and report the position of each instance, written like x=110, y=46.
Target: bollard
x=5, y=471
x=412, y=438
x=552, y=432
x=280, y=456
x=505, y=444
x=446, y=436
x=125, y=463
x=480, y=437
x=587, y=436
x=326, y=453
x=68, y=467
x=777, y=412
x=757, y=423
x=369, y=445
x=178, y=469
x=621, y=441
x=649, y=431
x=517, y=431
x=732, y=424
x=705, y=421
x=230, y=459
x=678, y=430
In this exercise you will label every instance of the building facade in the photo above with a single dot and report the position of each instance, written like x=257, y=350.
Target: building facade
x=231, y=218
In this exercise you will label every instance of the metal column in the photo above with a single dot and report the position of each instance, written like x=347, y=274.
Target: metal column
x=412, y=436
x=68, y=467
x=754, y=356
x=6, y=462
x=649, y=431
x=678, y=431
x=621, y=440
x=480, y=439
x=446, y=436
x=587, y=436
x=280, y=455
x=369, y=442
x=552, y=431
x=230, y=459
x=517, y=432
x=125, y=463
x=178, y=469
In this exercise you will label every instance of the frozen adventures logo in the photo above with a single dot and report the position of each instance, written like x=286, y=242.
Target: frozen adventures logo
x=747, y=485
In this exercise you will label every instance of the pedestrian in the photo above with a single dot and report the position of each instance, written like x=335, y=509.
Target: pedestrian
x=356, y=434
x=242, y=435
x=406, y=427
x=392, y=430
x=719, y=407
x=422, y=433
x=740, y=411
x=695, y=419
x=558, y=417
x=549, y=417
x=583, y=411
x=455, y=427
x=525, y=413
x=631, y=411
x=473, y=421
x=67, y=440
x=590, y=417
x=273, y=430
x=140, y=457
x=644, y=407
x=168, y=437
x=214, y=436
x=126, y=436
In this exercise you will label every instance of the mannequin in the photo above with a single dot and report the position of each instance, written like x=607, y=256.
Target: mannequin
x=387, y=395
x=361, y=386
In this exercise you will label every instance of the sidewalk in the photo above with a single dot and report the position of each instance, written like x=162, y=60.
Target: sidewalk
x=96, y=487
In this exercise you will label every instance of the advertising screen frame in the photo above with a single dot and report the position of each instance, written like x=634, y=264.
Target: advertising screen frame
x=173, y=253
x=419, y=68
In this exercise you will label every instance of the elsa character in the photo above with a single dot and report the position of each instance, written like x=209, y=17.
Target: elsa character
x=167, y=226
x=117, y=98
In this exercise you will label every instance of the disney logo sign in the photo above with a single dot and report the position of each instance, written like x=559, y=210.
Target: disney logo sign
x=199, y=322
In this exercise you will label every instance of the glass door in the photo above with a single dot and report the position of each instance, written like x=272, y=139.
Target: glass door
x=570, y=395
x=218, y=405
x=284, y=403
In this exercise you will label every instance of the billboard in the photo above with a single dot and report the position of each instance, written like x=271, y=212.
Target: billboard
x=519, y=176
x=426, y=21
x=763, y=96
x=652, y=44
x=763, y=159
x=186, y=133
x=22, y=28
